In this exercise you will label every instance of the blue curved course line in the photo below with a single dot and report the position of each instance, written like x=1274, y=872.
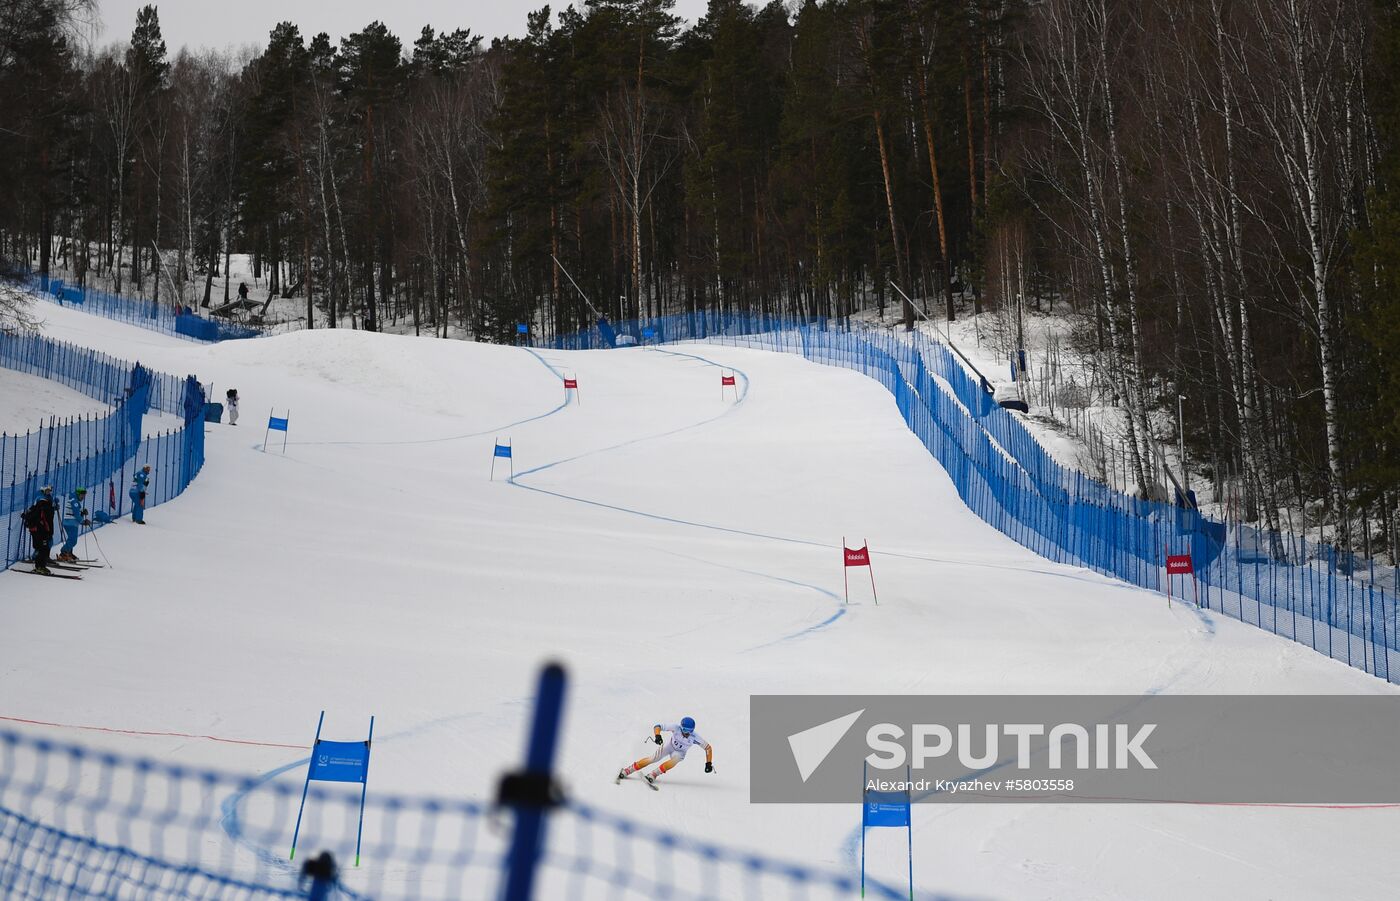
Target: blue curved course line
x=685, y=428
x=743, y=396
x=801, y=633
x=495, y=430
x=841, y=607
x=808, y=542
x=233, y=828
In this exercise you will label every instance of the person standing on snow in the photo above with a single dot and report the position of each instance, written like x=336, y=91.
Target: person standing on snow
x=38, y=519
x=75, y=516
x=231, y=396
x=138, y=494
x=672, y=751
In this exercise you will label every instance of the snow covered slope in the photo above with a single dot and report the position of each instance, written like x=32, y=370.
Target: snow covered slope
x=678, y=552
x=27, y=402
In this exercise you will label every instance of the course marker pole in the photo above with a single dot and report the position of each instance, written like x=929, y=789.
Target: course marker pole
x=364, y=787
x=870, y=567
x=306, y=786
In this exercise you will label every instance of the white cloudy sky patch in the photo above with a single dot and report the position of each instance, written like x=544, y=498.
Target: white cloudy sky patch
x=219, y=24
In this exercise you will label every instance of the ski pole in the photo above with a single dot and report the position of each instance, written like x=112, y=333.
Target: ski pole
x=102, y=552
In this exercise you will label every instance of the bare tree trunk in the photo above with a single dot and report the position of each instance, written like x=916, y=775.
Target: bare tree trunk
x=1137, y=408
x=863, y=26
x=921, y=73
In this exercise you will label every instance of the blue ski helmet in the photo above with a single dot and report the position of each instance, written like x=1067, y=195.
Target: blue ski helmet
x=687, y=724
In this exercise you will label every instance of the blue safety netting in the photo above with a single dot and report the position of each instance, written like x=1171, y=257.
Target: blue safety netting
x=100, y=453
x=1304, y=590
x=75, y=822
x=140, y=311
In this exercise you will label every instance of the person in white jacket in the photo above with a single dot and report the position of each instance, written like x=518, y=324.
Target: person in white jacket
x=672, y=750
x=231, y=396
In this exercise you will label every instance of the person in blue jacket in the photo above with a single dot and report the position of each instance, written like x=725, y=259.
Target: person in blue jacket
x=138, y=494
x=75, y=516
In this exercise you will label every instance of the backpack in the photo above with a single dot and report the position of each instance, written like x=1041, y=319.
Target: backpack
x=32, y=519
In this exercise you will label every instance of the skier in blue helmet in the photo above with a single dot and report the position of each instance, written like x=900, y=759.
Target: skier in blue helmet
x=672, y=750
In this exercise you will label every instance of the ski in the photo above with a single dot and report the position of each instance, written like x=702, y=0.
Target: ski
x=651, y=784
x=68, y=566
x=35, y=572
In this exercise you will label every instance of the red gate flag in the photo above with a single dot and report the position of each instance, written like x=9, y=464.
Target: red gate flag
x=727, y=380
x=1179, y=565
x=853, y=556
x=571, y=382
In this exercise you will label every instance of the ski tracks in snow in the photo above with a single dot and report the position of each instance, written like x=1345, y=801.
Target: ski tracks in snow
x=840, y=610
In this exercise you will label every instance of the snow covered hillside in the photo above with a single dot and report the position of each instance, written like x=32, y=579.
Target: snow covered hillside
x=678, y=552
x=27, y=402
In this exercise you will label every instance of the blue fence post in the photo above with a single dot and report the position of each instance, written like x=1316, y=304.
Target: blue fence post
x=532, y=791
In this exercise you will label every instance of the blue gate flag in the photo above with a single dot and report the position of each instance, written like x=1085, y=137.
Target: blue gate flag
x=886, y=808
x=337, y=761
x=502, y=450
x=522, y=329
x=277, y=424
x=340, y=761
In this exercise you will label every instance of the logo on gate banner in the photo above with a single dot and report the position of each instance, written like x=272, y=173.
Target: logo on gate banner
x=340, y=761
x=881, y=813
x=1179, y=565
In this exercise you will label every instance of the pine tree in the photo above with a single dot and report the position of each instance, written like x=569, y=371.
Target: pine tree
x=371, y=76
